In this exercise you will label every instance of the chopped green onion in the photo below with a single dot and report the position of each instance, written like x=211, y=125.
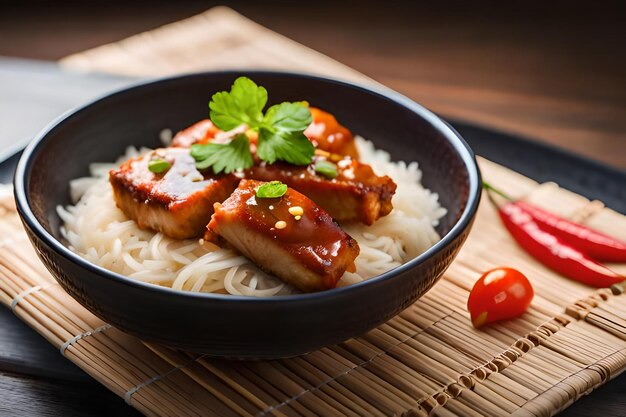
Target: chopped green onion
x=158, y=166
x=327, y=169
x=272, y=189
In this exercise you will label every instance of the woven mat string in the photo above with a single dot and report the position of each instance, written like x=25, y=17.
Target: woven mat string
x=129, y=394
x=27, y=292
x=76, y=338
x=343, y=373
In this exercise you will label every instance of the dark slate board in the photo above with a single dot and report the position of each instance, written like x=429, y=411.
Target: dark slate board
x=35, y=380
x=543, y=162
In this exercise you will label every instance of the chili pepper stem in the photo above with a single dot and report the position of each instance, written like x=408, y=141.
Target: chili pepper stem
x=619, y=288
x=489, y=188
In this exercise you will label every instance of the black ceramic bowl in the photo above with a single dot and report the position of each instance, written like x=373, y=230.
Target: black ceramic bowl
x=234, y=326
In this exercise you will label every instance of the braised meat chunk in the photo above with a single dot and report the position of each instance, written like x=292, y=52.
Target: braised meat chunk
x=202, y=132
x=288, y=236
x=329, y=135
x=355, y=194
x=177, y=201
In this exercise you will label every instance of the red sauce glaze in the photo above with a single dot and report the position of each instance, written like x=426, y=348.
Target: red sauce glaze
x=201, y=132
x=315, y=240
x=177, y=186
x=178, y=202
x=263, y=213
x=356, y=194
x=329, y=135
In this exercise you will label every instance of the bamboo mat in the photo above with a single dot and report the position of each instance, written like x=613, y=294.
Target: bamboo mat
x=428, y=360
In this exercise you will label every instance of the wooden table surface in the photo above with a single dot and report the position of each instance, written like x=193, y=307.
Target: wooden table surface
x=554, y=73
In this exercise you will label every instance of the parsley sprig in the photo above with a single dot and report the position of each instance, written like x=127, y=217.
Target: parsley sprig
x=280, y=130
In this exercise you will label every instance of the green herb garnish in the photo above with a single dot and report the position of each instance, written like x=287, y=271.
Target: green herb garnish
x=272, y=189
x=280, y=129
x=242, y=105
x=281, y=135
x=327, y=169
x=158, y=165
x=223, y=157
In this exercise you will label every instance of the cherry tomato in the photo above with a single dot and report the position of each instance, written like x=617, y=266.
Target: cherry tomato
x=499, y=294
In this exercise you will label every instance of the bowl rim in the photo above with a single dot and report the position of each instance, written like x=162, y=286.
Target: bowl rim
x=467, y=155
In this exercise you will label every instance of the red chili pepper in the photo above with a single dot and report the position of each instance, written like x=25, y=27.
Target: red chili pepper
x=501, y=293
x=591, y=242
x=554, y=252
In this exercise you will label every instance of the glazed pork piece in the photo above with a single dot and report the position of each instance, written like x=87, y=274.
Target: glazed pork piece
x=329, y=135
x=357, y=194
x=289, y=236
x=177, y=202
x=201, y=132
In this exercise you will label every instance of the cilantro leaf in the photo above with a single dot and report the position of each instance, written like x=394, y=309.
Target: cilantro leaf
x=288, y=117
x=281, y=136
x=280, y=130
x=226, y=157
x=291, y=147
x=242, y=105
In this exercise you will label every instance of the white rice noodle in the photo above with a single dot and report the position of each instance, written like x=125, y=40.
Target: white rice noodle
x=98, y=231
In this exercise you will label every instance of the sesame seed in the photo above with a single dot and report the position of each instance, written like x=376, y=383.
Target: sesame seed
x=344, y=163
x=296, y=211
x=280, y=224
